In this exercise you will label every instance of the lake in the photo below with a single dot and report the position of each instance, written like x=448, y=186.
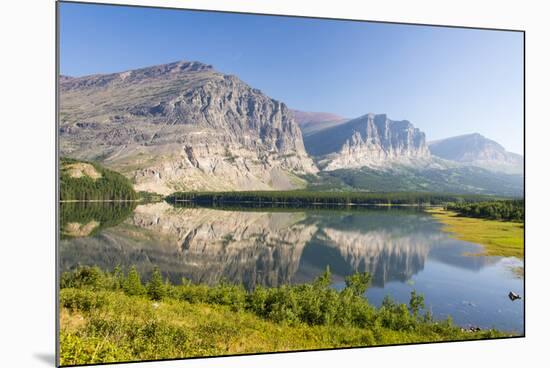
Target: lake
x=404, y=249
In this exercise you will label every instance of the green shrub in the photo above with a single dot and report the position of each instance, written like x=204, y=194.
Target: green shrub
x=416, y=303
x=85, y=277
x=227, y=294
x=358, y=283
x=104, y=323
x=314, y=304
x=81, y=299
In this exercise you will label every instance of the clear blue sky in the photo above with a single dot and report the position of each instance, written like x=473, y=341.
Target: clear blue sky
x=446, y=81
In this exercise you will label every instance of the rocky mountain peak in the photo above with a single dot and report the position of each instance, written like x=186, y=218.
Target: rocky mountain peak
x=181, y=66
x=186, y=125
x=167, y=71
x=369, y=140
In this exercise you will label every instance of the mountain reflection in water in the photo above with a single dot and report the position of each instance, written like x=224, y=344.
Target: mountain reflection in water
x=270, y=248
x=403, y=249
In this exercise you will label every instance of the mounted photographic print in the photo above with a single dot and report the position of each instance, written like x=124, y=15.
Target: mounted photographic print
x=235, y=183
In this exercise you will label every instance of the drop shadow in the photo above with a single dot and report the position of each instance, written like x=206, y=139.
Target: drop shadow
x=46, y=358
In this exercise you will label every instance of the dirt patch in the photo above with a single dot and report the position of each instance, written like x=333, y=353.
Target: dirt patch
x=76, y=229
x=71, y=321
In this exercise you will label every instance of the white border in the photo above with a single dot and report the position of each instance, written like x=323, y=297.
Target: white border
x=27, y=181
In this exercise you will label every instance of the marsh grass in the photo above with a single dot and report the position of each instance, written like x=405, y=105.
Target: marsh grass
x=499, y=238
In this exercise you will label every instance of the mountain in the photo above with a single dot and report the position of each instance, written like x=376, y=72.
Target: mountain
x=476, y=150
x=370, y=140
x=182, y=126
x=436, y=176
x=313, y=122
x=375, y=153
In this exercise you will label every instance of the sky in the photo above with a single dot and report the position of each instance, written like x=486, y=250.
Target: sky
x=445, y=81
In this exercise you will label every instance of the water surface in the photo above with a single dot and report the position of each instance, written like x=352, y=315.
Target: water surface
x=403, y=249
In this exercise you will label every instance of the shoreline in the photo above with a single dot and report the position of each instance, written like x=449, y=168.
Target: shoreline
x=305, y=204
x=99, y=200
x=498, y=238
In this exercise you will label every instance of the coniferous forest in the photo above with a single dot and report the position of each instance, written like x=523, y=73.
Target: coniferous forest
x=511, y=210
x=100, y=185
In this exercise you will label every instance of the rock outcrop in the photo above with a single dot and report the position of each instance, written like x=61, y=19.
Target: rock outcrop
x=182, y=126
x=370, y=140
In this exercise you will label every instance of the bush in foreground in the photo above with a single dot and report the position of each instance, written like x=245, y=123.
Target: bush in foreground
x=199, y=320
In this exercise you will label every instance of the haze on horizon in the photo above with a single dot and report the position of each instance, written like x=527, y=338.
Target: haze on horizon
x=446, y=81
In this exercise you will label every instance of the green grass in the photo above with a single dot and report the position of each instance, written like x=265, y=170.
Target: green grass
x=109, y=317
x=499, y=238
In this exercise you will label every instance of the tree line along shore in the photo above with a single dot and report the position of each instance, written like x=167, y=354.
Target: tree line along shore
x=333, y=197
x=89, y=181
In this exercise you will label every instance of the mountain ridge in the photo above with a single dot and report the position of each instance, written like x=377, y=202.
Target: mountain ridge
x=182, y=125
x=368, y=140
x=476, y=150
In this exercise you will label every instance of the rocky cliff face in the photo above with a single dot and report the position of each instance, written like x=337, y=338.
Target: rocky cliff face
x=182, y=126
x=370, y=140
x=477, y=150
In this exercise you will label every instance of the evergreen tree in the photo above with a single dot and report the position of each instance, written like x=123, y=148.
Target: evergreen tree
x=156, y=288
x=118, y=277
x=132, y=284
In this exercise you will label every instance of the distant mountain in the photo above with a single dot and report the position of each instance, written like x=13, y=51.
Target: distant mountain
x=375, y=153
x=182, y=126
x=436, y=176
x=312, y=122
x=477, y=150
x=369, y=140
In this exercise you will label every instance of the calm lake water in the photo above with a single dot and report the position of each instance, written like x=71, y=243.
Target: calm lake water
x=403, y=249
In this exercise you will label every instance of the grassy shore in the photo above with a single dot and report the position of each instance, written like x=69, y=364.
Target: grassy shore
x=499, y=238
x=108, y=317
